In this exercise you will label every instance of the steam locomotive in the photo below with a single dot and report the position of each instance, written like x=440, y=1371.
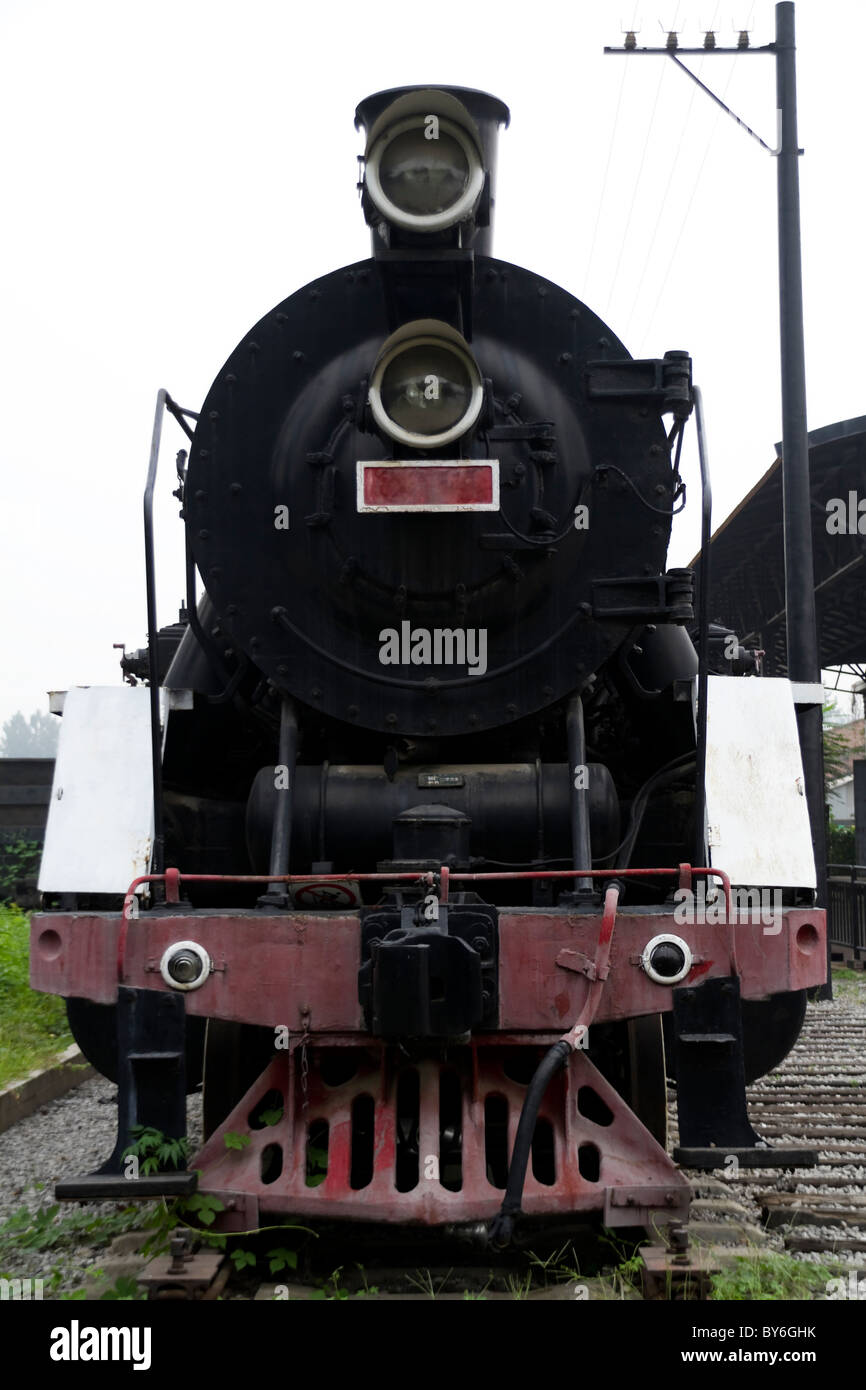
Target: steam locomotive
x=440, y=812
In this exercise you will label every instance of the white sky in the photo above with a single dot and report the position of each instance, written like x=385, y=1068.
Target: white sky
x=171, y=171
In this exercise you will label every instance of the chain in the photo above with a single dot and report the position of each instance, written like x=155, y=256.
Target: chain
x=305, y=1065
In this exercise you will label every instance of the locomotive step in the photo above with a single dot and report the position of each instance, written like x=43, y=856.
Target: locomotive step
x=115, y=1187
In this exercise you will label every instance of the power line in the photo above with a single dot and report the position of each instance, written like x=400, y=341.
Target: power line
x=600, y=203
x=637, y=183
x=664, y=198
x=634, y=193
x=682, y=229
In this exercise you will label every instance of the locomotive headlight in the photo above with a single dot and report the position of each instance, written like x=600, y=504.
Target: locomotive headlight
x=424, y=173
x=426, y=389
x=667, y=959
x=185, y=965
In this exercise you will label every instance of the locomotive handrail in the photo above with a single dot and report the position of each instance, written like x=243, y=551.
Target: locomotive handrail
x=703, y=628
x=164, y=403
x=158, y=854
x=173, y=879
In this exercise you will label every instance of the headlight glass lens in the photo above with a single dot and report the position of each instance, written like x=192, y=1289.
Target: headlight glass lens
x=422, y=176
x=185, y=967
x=427, y=389
x=668, y=959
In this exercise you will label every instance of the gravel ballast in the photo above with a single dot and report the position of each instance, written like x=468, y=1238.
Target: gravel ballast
x=72, y=1135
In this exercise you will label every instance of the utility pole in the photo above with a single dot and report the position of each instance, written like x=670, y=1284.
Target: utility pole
x=804, y=670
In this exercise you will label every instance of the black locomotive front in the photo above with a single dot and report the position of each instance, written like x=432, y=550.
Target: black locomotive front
x=429, y=780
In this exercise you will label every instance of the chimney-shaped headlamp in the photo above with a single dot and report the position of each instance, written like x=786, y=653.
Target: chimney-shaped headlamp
x=428, y=161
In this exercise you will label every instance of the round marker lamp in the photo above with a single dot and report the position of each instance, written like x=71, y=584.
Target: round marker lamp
x=426, y=389
x=424, y=173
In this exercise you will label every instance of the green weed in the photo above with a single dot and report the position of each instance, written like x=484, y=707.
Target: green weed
x=422, y=1280
x=46, y=1229
x=519, y=1286
x=155, y=1151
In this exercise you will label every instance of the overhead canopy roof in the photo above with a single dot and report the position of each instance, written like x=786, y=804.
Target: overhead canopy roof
x=747, y=575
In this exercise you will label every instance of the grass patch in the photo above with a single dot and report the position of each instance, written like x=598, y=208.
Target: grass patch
x=844, y=972
x=34, y=1025
x=849, y=986
x=768, y=1276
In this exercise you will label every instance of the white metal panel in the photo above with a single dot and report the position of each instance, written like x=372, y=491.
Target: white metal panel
x=757, y=816
x=99, y=835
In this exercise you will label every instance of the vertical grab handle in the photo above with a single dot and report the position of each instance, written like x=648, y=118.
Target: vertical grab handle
x=700, y=852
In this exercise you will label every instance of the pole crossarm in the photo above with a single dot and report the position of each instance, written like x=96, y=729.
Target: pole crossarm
x=704, y=52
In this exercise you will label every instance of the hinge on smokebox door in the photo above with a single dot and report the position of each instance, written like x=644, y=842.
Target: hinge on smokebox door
x=665, y=382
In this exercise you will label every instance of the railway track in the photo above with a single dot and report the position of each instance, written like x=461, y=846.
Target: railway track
x=816, y=1098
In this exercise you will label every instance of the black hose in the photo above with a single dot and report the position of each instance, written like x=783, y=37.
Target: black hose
x=502, y=1225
